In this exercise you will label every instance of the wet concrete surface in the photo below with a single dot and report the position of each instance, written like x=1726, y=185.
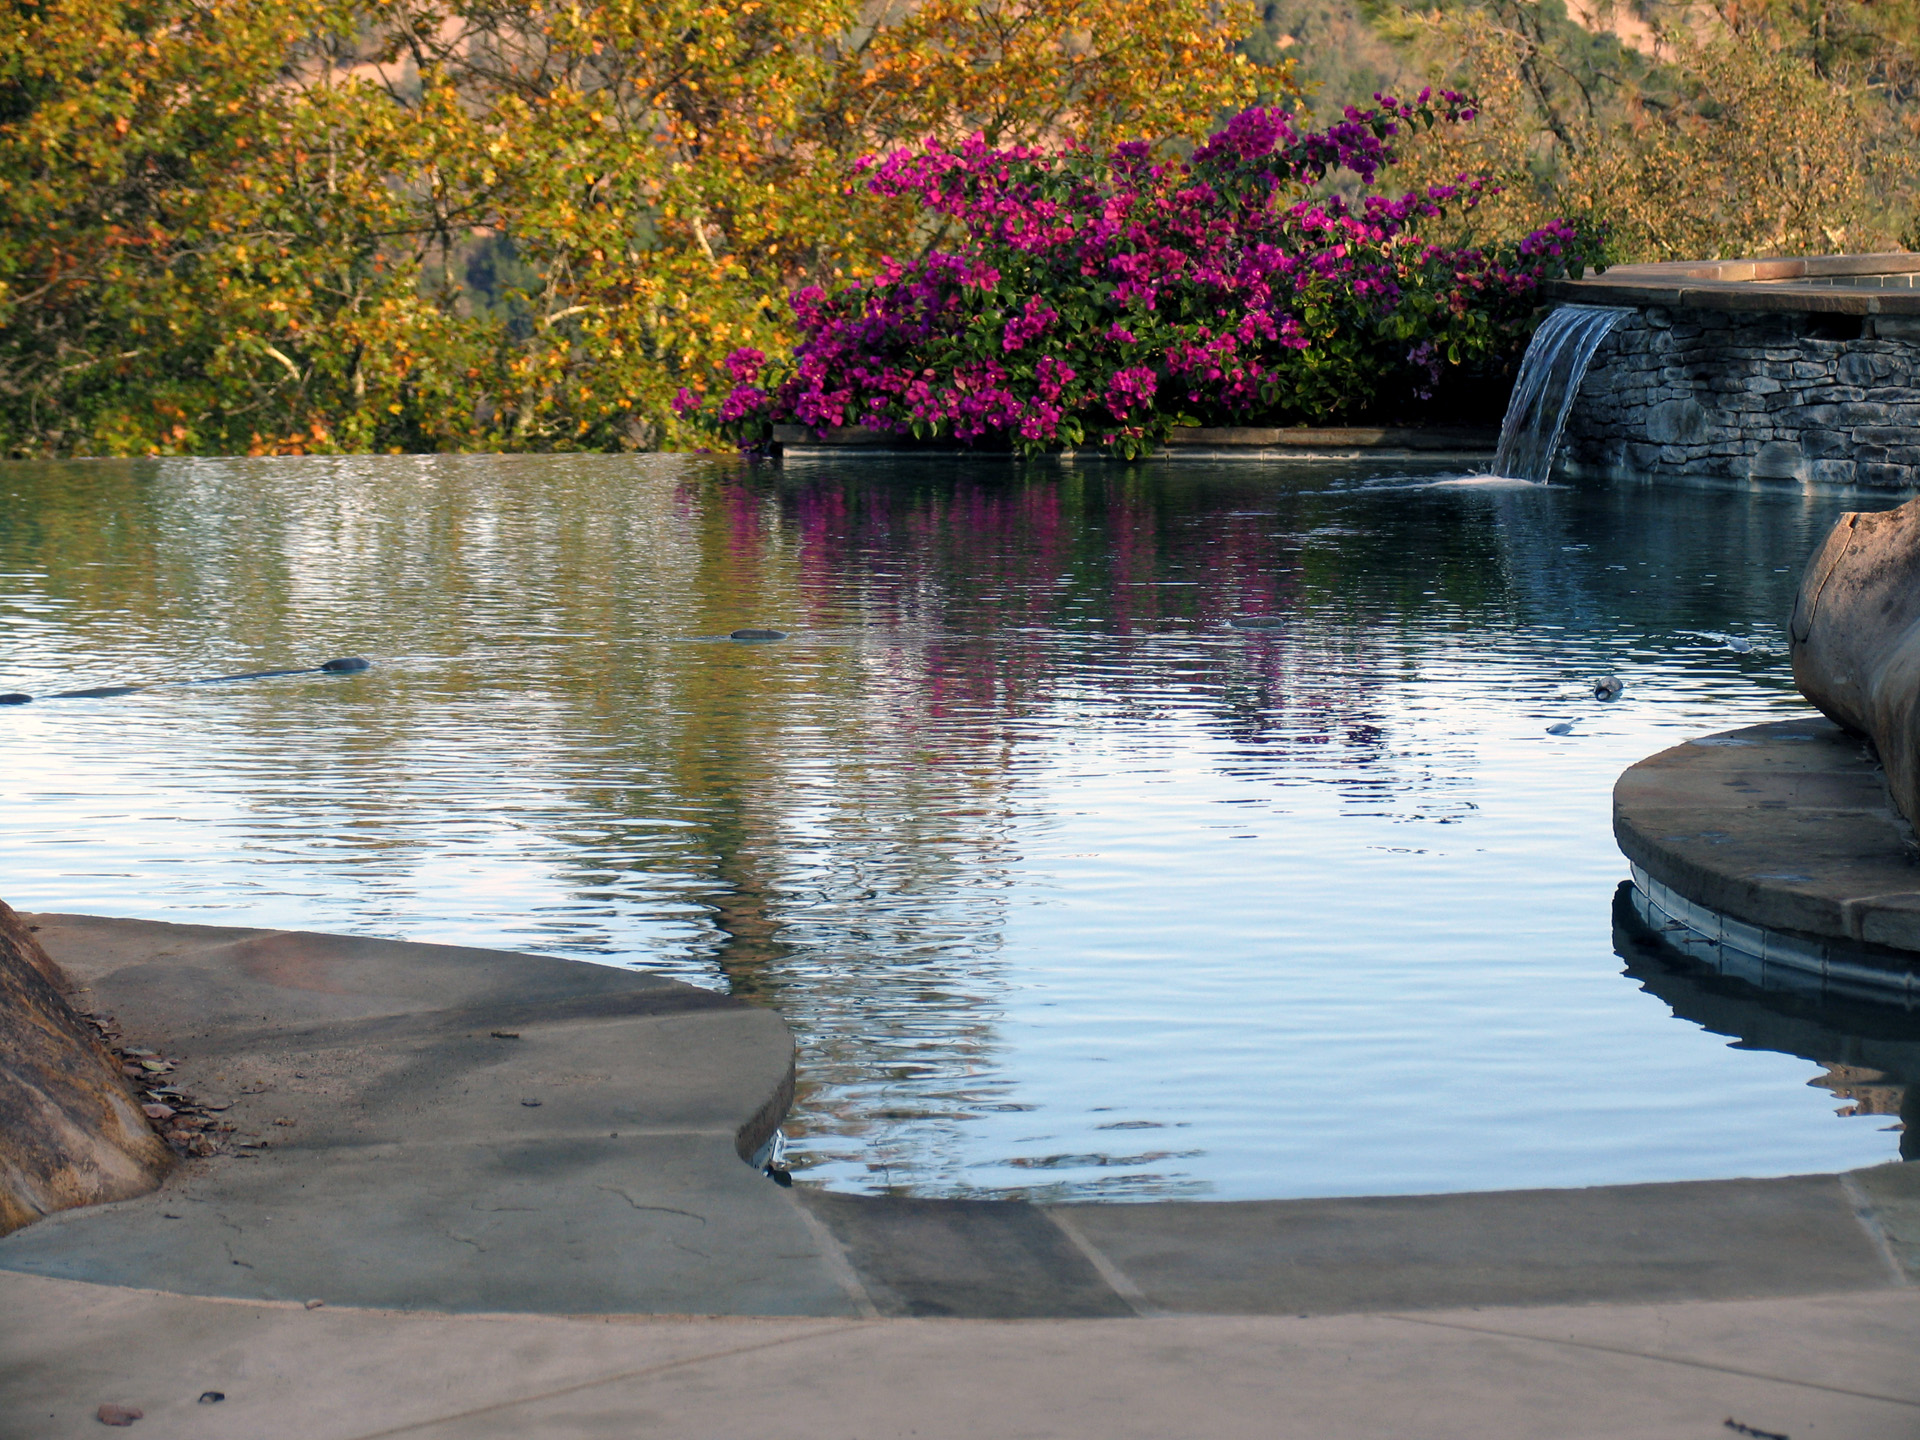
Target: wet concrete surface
x=443, y=1128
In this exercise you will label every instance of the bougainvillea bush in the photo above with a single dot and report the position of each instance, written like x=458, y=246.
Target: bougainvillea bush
x=1079, y=298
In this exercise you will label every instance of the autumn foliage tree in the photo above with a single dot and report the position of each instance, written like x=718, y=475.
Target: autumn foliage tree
x=269, y=227
x=1744, y=127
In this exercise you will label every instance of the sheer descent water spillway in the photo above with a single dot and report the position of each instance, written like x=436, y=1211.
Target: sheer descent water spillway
x=1754, y=370
x=1543, y=394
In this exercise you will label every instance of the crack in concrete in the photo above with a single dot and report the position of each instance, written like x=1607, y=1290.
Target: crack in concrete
x=663, y=1209
x=641, y=1373
x=227, y=1245
x=1117, y=1280
x=1868, y=1214
x=1682, y=1360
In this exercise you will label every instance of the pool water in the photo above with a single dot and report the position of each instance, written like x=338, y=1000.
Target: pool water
x=1068, y=886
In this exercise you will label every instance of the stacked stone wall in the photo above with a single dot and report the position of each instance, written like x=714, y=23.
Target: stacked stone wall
x=1727, y=395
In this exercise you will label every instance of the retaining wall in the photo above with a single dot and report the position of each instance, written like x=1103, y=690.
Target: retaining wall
x=1719, y=394
x=1795, y=370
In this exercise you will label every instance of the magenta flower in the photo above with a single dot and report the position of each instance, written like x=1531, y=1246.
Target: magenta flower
x=744, y=364
x=1105, y=298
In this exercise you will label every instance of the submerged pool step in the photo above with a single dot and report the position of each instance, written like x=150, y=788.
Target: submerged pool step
x=343, y=665
x=1698, y=1240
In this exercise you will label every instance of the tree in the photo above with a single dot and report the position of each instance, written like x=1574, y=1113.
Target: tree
x=1717, y=134
x=461, y=224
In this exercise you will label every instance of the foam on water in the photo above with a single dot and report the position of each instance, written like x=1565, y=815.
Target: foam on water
x=1487, y=482
x=1450, y=482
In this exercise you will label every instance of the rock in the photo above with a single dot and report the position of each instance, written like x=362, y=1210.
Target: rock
x=71, y=1127
x=18, y=944
x=121, y=1415
x=1855, y=637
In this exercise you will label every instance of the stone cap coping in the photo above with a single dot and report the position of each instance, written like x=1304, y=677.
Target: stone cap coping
x=1299, y=440
x=1783, y=828
x=1816, y=284
x=1777, y=960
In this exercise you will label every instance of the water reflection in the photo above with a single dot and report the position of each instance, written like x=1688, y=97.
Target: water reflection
x=1868, y=1054
x=1068, y=885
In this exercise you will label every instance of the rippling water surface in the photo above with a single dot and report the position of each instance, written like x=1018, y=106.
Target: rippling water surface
x=1068, y=886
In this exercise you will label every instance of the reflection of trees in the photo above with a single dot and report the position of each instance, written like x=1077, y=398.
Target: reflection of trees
x=1869, y=1054
x=830, y=822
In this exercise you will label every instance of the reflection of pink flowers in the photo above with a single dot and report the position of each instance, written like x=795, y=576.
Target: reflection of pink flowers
x=1088, y=296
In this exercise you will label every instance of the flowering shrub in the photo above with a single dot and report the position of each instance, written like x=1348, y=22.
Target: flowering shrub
x=1107, y=299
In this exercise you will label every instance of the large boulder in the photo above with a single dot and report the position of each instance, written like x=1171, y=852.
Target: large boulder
x=71, y=1128
x=1856, y=639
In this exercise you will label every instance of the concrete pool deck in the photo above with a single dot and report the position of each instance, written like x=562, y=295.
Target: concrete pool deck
x=515, y=1186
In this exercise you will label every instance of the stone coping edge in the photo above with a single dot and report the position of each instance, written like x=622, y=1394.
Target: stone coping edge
x=1770, y=959
x=427, y=1187
x=1779, y=840
x=1202, y=443
x=1780, y=285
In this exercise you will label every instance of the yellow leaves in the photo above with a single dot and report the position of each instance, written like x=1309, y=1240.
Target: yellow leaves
x=322, y=209
x=1765, y=157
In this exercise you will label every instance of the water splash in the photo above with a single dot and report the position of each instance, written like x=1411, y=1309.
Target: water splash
x=1550, y=374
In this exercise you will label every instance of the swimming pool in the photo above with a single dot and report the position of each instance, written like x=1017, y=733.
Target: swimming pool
x=1069, y=886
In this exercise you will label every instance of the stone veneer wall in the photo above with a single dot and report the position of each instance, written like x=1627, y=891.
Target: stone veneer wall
x=1720, y=394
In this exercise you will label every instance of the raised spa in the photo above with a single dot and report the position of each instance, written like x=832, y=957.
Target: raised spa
x=1767, y=371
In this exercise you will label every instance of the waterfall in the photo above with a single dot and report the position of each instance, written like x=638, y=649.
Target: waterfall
x=1550, y=374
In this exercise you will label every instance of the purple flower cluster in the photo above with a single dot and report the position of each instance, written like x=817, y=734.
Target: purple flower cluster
x=1109, y=298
